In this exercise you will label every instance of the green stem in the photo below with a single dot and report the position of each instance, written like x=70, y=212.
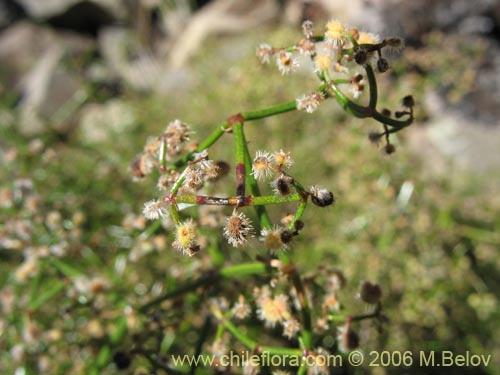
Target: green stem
x=210, y=278
x=149, y=231
x=233, y=201
x=270, y=111
x=224, y=126
x=298, y=214
x=253, y=187
x=239, y=140
x=243, y=269
x=253, y=345
x=306, y=332
x=240, y=336
x=372, y=82
x=219, y=131
x=395, y=124
x=348, y=105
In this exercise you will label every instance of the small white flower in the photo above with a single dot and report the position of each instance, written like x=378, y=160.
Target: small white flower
x=264, y=52
x=154, y=209
x=310, y=102
x=262, y=165
x=307, y=28
x=286, y=63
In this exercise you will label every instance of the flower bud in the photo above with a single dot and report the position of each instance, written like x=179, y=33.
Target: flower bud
x=370, y=293
x=286, y=236
x=382, y=65
x=321, y=197
x=299, y=224
x=360, y=56
x=386, y=112
x=408, y=101
x=389, y=149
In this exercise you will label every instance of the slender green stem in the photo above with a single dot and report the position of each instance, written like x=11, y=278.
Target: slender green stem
x=220, y=331
x=270, y=111
x=210, y=278
x=240, y=336
x=189, y=287
x=243, y=269
x=174, y=214
x=149, y=231
x=277, y=350
x=253, y=345
x=372, y=82
x=348, y=105
x=224, y=126
x=237, y=201
x=239, y=140
x=264, y=219
x=272, y=199
x=395, y=124
x=298, y=214
x=302, y=369
x=306, y=332
x=219, y=131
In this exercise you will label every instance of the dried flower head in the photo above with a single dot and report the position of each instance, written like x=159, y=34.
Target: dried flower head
x=347, y=339
x=395, y=44
x=154, y=210
x=321, y=197
x=310, y=102
x=307, y=28
x=281, y=186
x=262, y=165
x=176, y=135
x=282, y=159
x=238, y=228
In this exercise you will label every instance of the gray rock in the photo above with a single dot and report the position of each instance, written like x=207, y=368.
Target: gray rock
x=49, y=8
x=49, y=93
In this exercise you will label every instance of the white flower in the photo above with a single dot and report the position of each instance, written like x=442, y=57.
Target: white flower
x=262, y=165
x=154, y=209
x=264, y=52
x=286, y=63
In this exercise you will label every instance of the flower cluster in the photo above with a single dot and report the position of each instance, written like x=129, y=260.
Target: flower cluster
x=185, y=168
x=340, y=51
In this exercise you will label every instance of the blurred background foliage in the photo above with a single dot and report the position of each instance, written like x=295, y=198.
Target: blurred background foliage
x=84, y=83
